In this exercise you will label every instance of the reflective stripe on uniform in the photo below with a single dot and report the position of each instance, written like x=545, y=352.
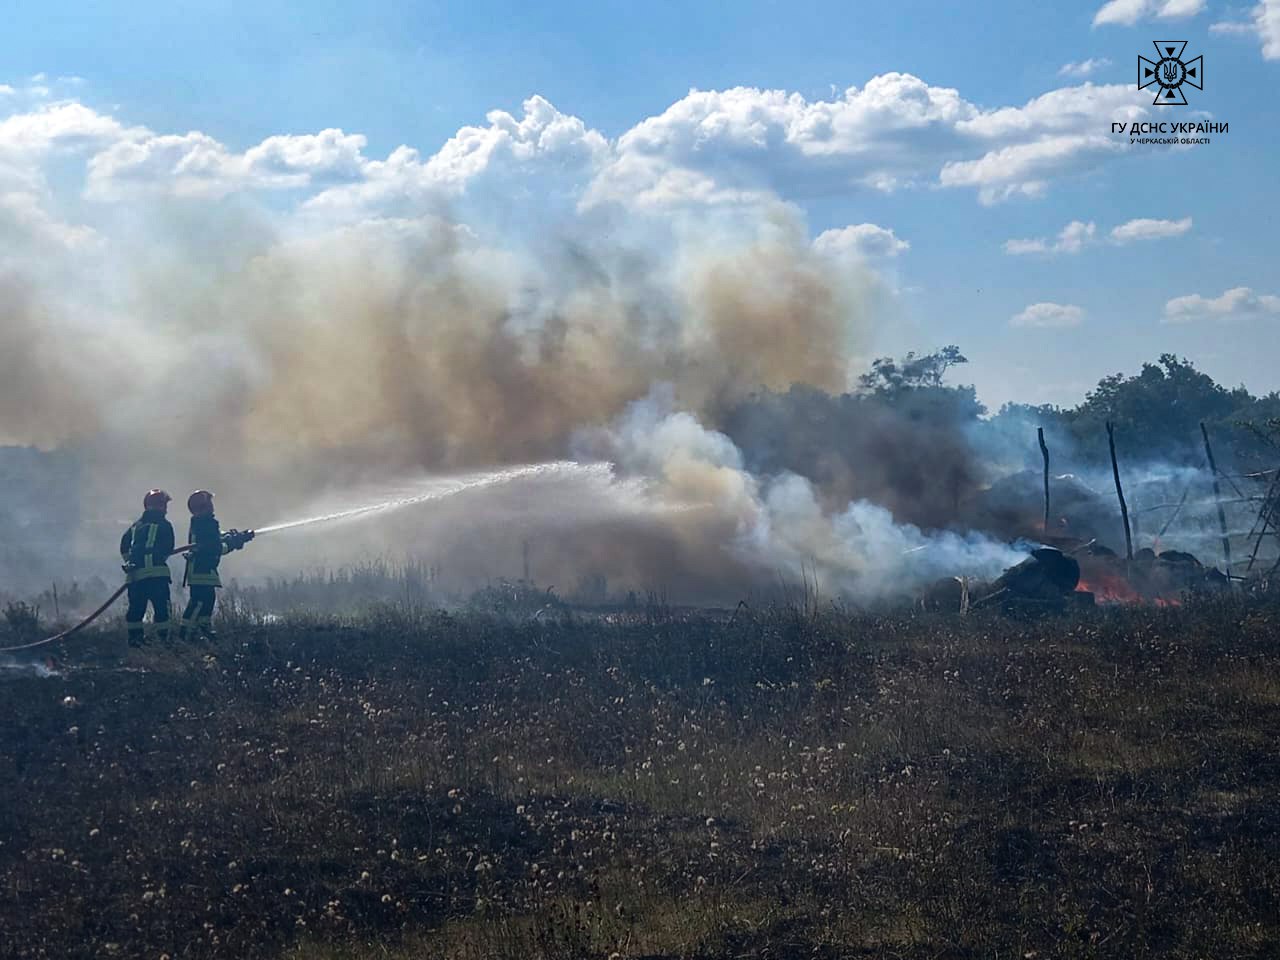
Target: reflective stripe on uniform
x=203, y=579
x=149, y=573
x=149, y=569
x=148, y=558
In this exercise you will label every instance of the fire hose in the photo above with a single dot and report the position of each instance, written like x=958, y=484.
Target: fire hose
x=102, y=609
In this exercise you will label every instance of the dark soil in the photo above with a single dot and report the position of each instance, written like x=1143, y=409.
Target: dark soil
x=1103, y=784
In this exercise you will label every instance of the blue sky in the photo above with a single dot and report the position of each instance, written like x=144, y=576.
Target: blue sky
x=415, y=73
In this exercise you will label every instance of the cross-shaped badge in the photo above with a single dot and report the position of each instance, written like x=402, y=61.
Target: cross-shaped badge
x=1170, y=73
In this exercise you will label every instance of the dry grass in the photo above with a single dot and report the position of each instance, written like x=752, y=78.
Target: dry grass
x=793, y=783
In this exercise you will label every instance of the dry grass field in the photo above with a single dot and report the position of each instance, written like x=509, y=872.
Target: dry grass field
x=788, y=782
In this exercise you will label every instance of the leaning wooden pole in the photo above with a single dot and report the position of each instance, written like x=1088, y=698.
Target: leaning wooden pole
x=1217, y=496
x=1044, y=452
x=1124, y=509
x=1266, y=518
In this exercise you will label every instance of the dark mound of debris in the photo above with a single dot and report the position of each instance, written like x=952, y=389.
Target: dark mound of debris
x=1047, y=578
x=1052, y=578
x=1151, y=577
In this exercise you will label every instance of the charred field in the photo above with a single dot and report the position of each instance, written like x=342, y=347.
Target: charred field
x=787, y=782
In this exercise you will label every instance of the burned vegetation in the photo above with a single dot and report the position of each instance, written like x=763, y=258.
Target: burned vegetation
x=1072, y=758
x=787, y=781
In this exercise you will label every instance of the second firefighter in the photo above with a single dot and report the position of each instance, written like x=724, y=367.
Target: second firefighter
x=209, y=545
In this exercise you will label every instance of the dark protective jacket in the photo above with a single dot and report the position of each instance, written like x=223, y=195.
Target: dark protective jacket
x=146, y=546
x=203, y=560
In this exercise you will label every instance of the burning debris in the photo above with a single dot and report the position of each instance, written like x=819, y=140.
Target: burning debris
x=1048, y=579
x=1052, y=578
x=1163, y=578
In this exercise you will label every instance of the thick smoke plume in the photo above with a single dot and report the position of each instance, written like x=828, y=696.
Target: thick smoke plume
x=291, y=361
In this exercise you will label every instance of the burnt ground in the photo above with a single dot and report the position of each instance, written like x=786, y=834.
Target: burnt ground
x=789, y=784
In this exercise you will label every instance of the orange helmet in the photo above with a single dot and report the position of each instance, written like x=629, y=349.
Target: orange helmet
x=156, y=499
x=200, y=503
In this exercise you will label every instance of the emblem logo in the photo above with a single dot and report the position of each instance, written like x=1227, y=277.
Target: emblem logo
x=1169, y=73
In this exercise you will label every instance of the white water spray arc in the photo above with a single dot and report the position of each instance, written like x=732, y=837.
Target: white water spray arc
x=447, y=487
x=440, y=488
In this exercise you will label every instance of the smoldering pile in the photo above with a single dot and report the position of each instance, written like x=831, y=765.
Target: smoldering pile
x=1053, y=580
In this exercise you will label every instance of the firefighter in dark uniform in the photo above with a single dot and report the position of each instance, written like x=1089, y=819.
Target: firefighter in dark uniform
x=209, y=544
x=145, y=549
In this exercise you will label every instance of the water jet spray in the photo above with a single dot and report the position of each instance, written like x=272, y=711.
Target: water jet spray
x=449, y=488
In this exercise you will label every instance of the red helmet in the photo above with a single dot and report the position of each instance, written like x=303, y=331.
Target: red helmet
x=156, y=499
x=200, y=503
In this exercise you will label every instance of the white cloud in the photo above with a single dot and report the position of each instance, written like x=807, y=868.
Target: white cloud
x=1076, y=235
x=1052, y=135
x=195, y=164
x=542, y=134
x=56, y=125
x=1147, y=229
x=1265, y=24
x=6, y=90
x=1234, y=303
x=1063, y=111
x=1266, y=18
x=1178, y=9
x=738, y=148
x=886, y=135
x=1084, y=68
x=1071, y=239
x=1129, y=12
x=1046, y=315
x=556, y=150
x=894, y=133
x=329, y=153
x=1126, y=12
x=24, y=223
x=864, y=240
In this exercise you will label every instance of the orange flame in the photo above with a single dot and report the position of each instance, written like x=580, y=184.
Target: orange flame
x=1109, y=588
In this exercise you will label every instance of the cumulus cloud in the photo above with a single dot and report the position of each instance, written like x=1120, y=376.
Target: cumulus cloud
x=1265, y=24
x=30, y=229
x=1084, y=68
x=197, y=164
x=66, y=124
x=863, y=240
x=742, y=148
x=1148, y=229
x=1050, y=136
x=896, y=132
x=1128, y=12
x=1076, y=235
x=1071, y=239
x=1046, y=315
x=1238, y=302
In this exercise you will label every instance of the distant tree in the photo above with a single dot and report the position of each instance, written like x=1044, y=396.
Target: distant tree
x=1171, y=394
x=888, y=376
x=1157, y=413
x=914, y=387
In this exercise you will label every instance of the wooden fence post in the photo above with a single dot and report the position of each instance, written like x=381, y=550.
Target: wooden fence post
x=1124, y=509
x=1044, y=452
x=1217, y=496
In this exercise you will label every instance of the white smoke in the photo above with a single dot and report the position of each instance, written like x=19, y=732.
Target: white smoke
x=522, y=294
x=776, y=526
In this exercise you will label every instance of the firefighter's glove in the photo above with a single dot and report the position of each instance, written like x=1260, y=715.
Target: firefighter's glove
x=236, y=539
